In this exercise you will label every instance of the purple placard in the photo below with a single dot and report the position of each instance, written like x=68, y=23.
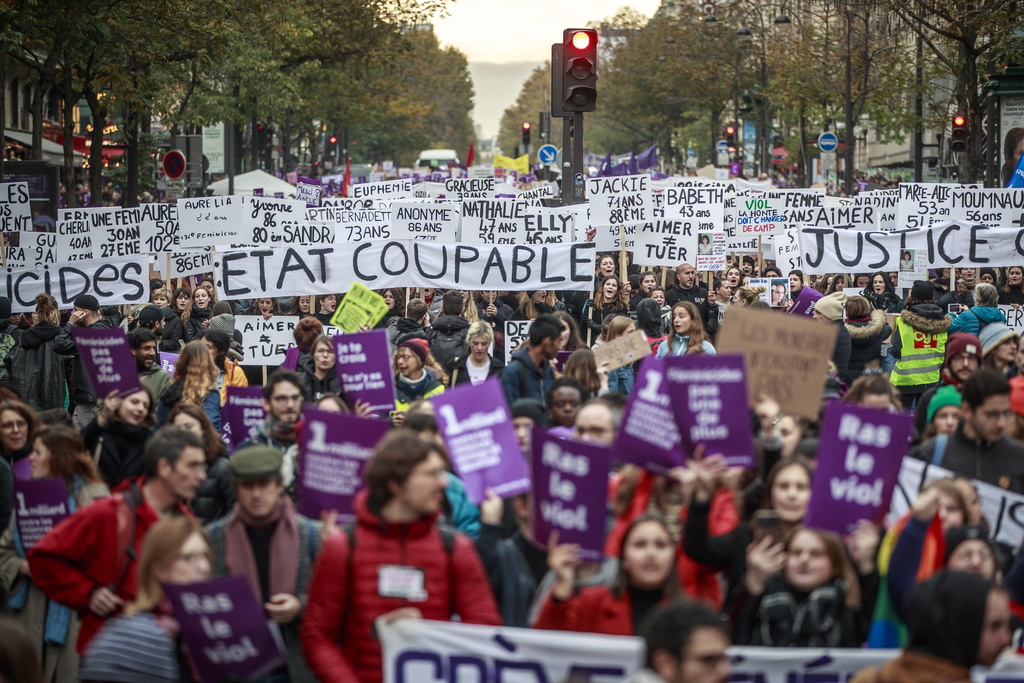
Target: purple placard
x=859, y=457
x=168, y=361
x=570, y=485
x=334, y=451
x=364, y=369
x=22, y=469
x=477, y=427
x=108, y=360
x=242, y=414
x=804, y=304
x=257, y=192
x=308, y=190
x=291, y=358
x=560, y=360
x=649, y=436
x=225, y=630
x=709, y=398
x=38, y=506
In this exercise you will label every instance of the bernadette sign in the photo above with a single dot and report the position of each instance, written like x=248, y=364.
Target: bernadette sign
x=403, y=263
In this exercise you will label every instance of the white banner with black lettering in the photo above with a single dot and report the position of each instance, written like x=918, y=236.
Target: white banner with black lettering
x=403, y=263
x=112, y=281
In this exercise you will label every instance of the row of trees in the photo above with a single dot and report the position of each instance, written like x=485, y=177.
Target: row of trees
x=371, y=67
x=677, y=79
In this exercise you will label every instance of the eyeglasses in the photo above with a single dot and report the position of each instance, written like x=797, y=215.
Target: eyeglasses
x=14, y=425
x=297, y=398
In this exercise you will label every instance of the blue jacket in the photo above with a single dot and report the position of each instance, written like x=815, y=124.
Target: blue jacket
x=621, y=379
x=464, y=516
x=171, y=397
x=678, y=345
x=975, y=318
x=523, y=379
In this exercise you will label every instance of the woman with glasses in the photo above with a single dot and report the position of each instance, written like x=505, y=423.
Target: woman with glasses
x=18, y=424
x=58, y=452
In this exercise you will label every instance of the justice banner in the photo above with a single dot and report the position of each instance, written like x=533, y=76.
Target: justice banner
x=330, y=269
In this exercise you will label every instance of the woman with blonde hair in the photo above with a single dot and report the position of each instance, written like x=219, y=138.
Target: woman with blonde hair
x=744, y=296
x=479, y=365
x=195, y=382
x=175, y=552
x=37, y=370
x=534, y=303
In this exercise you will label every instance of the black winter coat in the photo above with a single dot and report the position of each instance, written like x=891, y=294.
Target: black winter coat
x=865, y=343
x=40, y=374
x=120, y=450
x=194, y=325
x=173, y=335
x=215, y=496
x=460, y=374
x=313, y=388
x=81, y=387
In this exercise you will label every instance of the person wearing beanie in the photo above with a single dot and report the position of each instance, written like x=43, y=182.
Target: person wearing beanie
x=417, y=375
x=999, y=347
x=867, y=328
x=943, y=411
x=956, y=620
x=985, y=311
x=963, y=357
x=988, y=275
x=231, y=373
x=919, y=343
x=829, y=309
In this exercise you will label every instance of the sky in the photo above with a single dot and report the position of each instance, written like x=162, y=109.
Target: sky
x=505, y=40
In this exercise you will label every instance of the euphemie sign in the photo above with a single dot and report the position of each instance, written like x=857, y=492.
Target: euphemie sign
x=786, y=356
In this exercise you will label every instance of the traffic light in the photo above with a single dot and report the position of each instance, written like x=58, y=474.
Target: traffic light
x=526, y=134
x=958, y=136
x=579, y=70
x=730, y=135
x=333, y=139
x=260, y=136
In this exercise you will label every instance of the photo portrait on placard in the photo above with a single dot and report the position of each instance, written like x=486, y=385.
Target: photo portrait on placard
x=779, y=293
x=906, y=260
x=704, y=243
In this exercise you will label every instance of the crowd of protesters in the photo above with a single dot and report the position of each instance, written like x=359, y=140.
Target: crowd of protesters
x=695, y=560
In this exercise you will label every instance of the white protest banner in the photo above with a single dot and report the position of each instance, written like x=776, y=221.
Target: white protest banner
x=308, y=191
x=768, y=213
x=1003, y=509
x=535, y=194
x=158, y=227
x=360, y=223
x=517, y=332
x=265, y=341
x=912, y=268
x=424, y=651
x=111, y=281
x=513, y=222
x=112, y=233
x=787, y=250
x=348, y=203
x=995, y=208
x=30, y=249
x=620, y=200
x=710, y=251
x=922, y=204
x=209, y=222
x=188, y=262
x=15, y=208
x=383, y=192
x=665, y=242
x=435, y=222
x=464, y=188
x=75, y=243
x=1014, y=317
x=609, y=237
x=885, y=204
x=279, y=222
x=702, y=206
x=403, y=263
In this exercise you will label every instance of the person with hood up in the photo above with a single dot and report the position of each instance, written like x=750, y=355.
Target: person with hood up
x=867, y=329
x=956, y=620
x=984, y=312
x=919, y=343
x=38, y=373
x=829, y=309
x=648, y=319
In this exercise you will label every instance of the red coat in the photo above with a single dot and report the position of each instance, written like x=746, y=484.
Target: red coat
x=80, y=554
x=592, y=610
x=337, y=628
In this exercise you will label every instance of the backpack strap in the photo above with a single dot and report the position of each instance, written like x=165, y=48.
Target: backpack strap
x=939, y=449
x=127, y=525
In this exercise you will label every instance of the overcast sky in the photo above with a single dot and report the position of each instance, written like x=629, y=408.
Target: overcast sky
x=505, y=39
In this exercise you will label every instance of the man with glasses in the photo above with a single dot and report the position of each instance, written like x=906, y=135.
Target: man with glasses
x=686, y=643
x=598, y=421
x=88, y=562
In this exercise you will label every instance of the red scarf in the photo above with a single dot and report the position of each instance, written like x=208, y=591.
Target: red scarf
x=284, y=548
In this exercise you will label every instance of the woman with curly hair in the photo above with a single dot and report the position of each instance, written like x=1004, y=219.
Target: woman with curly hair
x=195, y=382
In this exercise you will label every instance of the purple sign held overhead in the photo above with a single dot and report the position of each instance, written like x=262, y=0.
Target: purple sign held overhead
x=335, y=449
x=804, y=304
x=225, y=630
x=477, y=427
x=649, y=436
x=570, y=484
x=242, y=415
x=291, y=358
x=308, y=190
x=168, y=361
x=364, y=369
x=709, y=398
x=859, y=457
x=108, y=360
x=39, y=505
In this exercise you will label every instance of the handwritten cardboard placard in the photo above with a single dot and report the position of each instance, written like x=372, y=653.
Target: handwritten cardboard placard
x=15, y=207
x=627, y=349
x=786, y=356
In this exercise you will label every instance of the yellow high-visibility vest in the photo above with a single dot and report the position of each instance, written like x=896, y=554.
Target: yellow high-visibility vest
x=922, y=356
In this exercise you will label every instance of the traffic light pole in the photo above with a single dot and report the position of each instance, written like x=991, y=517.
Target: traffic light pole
x=567, y=186
x=577, y=158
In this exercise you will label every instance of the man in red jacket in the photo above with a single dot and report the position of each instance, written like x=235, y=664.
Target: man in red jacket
x=88, y=561
x=398, y=563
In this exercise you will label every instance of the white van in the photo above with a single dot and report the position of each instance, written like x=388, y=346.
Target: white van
x=437, y=158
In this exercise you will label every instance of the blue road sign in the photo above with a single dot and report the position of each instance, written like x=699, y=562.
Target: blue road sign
x=547, y=154
x=827, y=142
x=722, y=147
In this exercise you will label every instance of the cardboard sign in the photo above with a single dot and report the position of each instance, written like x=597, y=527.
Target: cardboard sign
x=433, y=222
x=476, y=424
x=335, y=449
x=227, y=634
x=516, y=333
x=75, y=243
x=38, y=506
x=364, y=369
x=108, y=360
x=266, y=341
x=786, y=357
x=858, y=463
x=361, y=307
x=620, y=200
x=210, y=222
x=15, y=207
x=627, y=349
x=570, y=481
x=649, y=436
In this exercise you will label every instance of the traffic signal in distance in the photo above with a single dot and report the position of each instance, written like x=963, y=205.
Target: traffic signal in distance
x=526, y=134
x=260, y=136
x=730, y=135
x=958, y=136
x=333, y=139
x=579, y=70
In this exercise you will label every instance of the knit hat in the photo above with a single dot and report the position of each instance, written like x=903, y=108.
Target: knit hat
x=87, y=302
x=531, y=408
x=988, y=271
x=963, y=342
x=923, y=291
x=225, y=322
x=947, y=395
x=993, y=335
x=831, y=306
x=418, y=347
x=959, y=534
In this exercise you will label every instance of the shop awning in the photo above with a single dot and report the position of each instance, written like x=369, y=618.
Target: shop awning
x=52, y=152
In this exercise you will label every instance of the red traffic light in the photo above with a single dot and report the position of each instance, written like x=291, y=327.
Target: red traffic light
x=333, y=139
x=730, y=130
x=959, y=120
x=581, y=40
x=526, y=125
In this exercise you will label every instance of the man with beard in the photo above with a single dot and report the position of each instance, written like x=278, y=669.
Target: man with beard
x=687, y=287
x=143, y=344
x=282, y=399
